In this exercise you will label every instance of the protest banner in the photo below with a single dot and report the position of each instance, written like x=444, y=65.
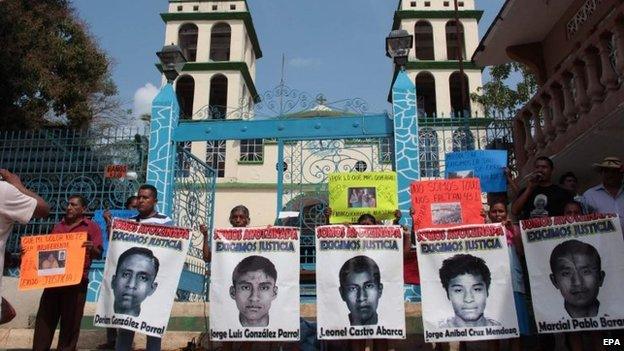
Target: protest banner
x=254, y=284
x=356, y=193
x=575, y=271
x=466, y=286
x=52, y=260
x=98, y=218
x=359, y=285
x=487, y=165
x=444, y=203
x=141, y=276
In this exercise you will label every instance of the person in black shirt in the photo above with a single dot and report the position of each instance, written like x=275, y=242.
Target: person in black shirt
x=541, y=198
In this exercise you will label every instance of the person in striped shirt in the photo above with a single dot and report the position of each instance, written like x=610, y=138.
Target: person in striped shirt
x=147, y=200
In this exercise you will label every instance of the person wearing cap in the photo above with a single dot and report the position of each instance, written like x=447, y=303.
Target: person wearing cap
x=607, y=197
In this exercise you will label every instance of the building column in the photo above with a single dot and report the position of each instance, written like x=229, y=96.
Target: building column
x=162, y=150
x=406, y=152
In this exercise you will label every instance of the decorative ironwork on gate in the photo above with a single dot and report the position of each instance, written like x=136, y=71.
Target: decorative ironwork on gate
x=193, y=205
x=309, y=163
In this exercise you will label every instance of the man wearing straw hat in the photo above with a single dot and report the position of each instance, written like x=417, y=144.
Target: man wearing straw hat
x=607, y=197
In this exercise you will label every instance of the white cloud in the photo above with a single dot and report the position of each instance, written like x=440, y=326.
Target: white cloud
x=143, y=99
x=300, y=62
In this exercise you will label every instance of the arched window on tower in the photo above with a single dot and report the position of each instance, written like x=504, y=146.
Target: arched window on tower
x=425, y=90
x=220, y=42
x=463, y=140
x=460, y=102
x=185, y=91
x=429, y=153
x=187, y=41
x=218, y=96
x=423, y=35
x=454, y=41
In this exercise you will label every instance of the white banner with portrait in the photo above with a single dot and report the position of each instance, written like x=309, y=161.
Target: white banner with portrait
x=141, y=276
x=576, y=272
x=466, y=284
x=359, y=282
x=254, y=284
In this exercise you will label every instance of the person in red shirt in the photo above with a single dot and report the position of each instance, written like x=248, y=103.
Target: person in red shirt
x=67, y=302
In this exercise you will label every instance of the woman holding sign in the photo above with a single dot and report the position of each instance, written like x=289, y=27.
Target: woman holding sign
x=498, y=214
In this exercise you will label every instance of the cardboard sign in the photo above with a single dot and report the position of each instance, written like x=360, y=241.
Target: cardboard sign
x=141, y=276
x=576, y=272
x=360, y=282
x=487, y=165
x=356, y=193
x=466, y=284
x=254, y=284
x=116, y=171
x=52, y=260
x=445, y=203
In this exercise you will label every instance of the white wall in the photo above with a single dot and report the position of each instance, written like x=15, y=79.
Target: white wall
x=438, y=26
x=443, y=98
x=260, y=202
x=239, y=36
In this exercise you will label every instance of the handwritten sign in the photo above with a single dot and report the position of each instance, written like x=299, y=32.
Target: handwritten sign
x=445, y=203
x=52, y=260
x=487, y=165
x=116, y=171
x=356, y=193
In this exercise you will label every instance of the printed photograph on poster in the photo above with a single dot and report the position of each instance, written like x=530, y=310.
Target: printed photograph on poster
x=352, y=194
x=360, y=284
x=141, y=276
x=460, y=174
x=466, y=280
x=139, y=264
x=362, y=197
x=51, y=262
x=360, y=289
x=575, y=271
x=254, y=289
x=466, y=284
x=446, y=213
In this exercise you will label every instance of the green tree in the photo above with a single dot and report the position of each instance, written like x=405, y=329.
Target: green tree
x=50, y=67
x=498, y=98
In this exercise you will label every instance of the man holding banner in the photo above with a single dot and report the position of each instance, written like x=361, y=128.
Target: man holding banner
x=575, y=272
x=136, y=270
x=67, y=302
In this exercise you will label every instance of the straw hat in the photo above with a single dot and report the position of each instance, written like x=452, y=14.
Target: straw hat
x=609, y=162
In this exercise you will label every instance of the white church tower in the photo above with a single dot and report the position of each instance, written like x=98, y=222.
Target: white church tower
x=220, y=44
x=433, y=63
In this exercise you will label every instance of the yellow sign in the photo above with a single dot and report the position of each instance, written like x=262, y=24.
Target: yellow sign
x=354, y=194
x=52, y=260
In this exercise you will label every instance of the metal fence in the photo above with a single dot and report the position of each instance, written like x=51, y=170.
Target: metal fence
x=309, y=163
x=57, y=163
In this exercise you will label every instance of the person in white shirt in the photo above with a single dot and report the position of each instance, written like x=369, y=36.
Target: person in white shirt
x=17, y=204
x=607, y=197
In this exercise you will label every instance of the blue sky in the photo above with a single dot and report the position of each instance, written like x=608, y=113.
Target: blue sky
x=334, y=47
